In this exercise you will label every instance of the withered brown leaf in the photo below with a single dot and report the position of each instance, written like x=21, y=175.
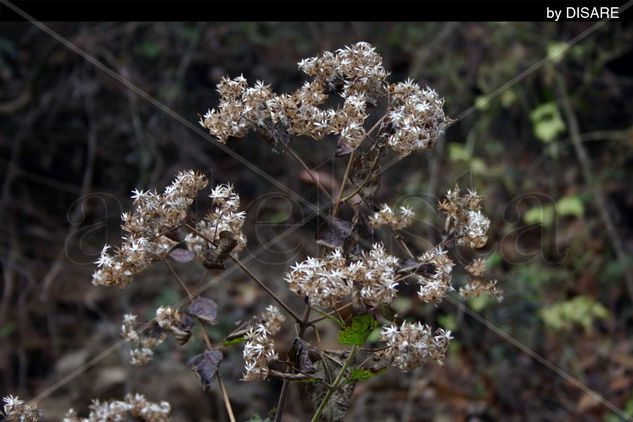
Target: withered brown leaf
x=205, y=365
x=203, y=308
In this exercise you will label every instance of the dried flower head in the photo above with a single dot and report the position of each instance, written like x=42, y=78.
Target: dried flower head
x=154, y=216
x=142, y=342
x=273, y=319
x=415, y=119
x=412, y=345
x=15, y=410
x=435, y=284
x=135, y=406
x=324, y=281
x=464, y=218
x=386, y=217
x=375, y=275
x=224, y=218
x=258, y=352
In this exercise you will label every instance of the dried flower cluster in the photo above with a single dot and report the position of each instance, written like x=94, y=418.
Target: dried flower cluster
x=225, y=217
x=375, y=275
x=142, y=341
x=258, y=352
x=464, y=218
x=412, y=345
x=387, y=217
x=476, y=285
x=260, y=348
x=155, y=215
x=435, y=283
x=325, y=281
x=273, y=319
x=15, y=410
x=414, y=121
x=135, y=406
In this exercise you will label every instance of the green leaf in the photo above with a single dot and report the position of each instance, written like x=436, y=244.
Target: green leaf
x=362, y=374
x=547, y=122
x=543, y=214
x=357, y=332
x=236, y=340
x=570, y=205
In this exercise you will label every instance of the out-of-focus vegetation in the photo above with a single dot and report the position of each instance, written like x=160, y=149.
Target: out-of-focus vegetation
x=73, y=141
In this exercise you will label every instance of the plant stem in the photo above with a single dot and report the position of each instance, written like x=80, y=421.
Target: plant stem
x=308, y=170
x=251, y=275
x=348, y=170
x=335, y=385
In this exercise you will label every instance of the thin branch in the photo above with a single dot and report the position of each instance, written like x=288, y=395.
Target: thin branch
x=335, y=385
x=308, y=170
x=348, y=170
x=250, y=274
x=225, y=396
x=592, y=181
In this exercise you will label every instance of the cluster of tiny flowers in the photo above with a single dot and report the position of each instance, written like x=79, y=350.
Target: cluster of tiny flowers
x=167, y=317
x=353, y=70
x=15, y=410
x=154, y=216
x=435, y=283
x=328, y=280
x=476, y=285
x=273, y=319
x=464, y=218
x=224, y=217
x=258, y=352
x=141, y=352
x=135, y=407
x=412, y=345
x=324, y=281
x=375, y=275
x=415, y=118
x=386, y=217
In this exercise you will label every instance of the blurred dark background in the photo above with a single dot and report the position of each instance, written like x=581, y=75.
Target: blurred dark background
x=74, y=142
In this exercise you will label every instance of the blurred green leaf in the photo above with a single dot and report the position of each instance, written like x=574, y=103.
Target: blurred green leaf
x=580, y=311
x=540, y=215
x=570, y=206
x=357, y=332
x=547, y=122
x=362, y=374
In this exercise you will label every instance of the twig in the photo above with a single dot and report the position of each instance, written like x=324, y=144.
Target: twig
x=590, y=179
x=335, y=385
x=348, y=170
x=308, y=170
x=207, y=341
x=225, y=396
x=251, y=275
x=281, y=403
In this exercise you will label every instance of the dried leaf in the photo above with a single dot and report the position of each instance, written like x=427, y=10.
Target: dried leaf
x=205, y=365
x=181, y=255
x=303, y=354
x=333, y=232
x=203, y=308
x=215, y=257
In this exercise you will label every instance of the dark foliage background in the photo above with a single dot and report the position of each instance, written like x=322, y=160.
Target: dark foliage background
x=74, y=142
